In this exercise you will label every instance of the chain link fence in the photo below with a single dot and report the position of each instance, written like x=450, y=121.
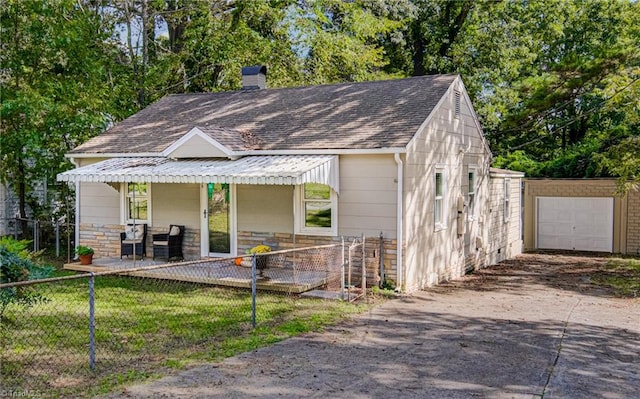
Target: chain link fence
x=81, y=335
x=57, y=235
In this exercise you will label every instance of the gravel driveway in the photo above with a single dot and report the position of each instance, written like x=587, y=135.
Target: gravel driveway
x=534, y=327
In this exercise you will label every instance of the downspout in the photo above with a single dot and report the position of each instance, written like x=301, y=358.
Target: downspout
x=399, y=221
x=76, y=233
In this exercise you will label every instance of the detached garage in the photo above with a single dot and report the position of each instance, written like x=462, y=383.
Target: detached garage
x=580, y=215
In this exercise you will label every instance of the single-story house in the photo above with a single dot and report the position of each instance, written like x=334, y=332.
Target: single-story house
x=403, y=159
x=581, y=215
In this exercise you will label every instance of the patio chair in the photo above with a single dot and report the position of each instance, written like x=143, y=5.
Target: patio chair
x=169, y=245
x=134, y=236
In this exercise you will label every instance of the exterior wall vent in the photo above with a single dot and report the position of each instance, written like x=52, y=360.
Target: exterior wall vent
x=457, y=104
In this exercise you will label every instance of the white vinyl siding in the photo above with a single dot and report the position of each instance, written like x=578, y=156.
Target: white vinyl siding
x=471, y=191
x=439, y=203
x=507, y=200
x=265, y=208
x=368, y=195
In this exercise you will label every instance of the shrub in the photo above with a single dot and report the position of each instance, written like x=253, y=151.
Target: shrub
x=17, y=264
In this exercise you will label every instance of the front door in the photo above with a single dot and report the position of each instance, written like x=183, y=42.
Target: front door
x=218, y=224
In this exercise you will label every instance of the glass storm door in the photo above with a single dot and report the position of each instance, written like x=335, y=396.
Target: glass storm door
x=219, y=218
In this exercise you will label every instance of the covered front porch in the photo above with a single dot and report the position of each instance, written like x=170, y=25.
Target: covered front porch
x=225, y=205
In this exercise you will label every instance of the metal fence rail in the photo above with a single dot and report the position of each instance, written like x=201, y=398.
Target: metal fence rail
x=96, y=327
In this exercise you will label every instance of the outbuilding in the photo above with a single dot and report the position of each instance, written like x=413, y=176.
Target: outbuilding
x=581, y=215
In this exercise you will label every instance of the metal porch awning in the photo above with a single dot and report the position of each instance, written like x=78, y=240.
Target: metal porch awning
x=266, y=170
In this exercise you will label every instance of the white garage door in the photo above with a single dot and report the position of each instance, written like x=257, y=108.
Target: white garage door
x=581, y=224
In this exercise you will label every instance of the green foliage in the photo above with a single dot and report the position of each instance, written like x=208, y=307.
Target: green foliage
x=54, y=84
x=518, y=160
x=17, y=264
x=84, y=250
x=555, y=83
x=623, y=275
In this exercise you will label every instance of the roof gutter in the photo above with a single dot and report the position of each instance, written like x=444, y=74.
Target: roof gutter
x=325, y=151
x=399, y=222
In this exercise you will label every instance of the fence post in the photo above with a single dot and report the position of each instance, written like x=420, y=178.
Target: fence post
x=92, y=324
x=254, y=278
x=349, y=275
x=364, y=268
x=342, y=272
x=35, y=236
x=57, y=238
x=15, y=229
x=380, y=251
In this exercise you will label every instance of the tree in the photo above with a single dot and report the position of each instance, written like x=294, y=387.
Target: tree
x=580, y=98
x=339, y=41
x=55, y=88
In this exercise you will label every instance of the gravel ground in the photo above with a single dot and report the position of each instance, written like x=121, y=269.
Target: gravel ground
x=533, y=327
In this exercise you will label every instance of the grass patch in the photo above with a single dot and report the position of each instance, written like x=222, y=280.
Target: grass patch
x=144, y=328
x=623, y=275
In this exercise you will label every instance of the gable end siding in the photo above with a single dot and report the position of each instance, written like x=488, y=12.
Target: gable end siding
x=434, y=256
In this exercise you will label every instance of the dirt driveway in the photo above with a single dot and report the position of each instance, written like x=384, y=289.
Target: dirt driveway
x=531, y=328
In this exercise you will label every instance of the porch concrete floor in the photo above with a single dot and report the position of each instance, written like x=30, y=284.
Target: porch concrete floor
x=210, y=271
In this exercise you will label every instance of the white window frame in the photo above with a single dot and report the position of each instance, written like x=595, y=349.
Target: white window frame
x=507, y=200
x=442, y=224
x=124, y=201
x=472, y=191
x=300, y=215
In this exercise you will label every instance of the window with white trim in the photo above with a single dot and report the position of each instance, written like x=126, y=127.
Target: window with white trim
x=137, y=202
x=439, y=205
x=507, y=199
x=471, y=190
x=317, y=209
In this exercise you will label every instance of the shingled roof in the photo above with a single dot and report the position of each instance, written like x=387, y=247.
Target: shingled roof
x=366, y=115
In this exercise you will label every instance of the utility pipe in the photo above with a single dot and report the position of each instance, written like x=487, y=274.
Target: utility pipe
x=399, y=221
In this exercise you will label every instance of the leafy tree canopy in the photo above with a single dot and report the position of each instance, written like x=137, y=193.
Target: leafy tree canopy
x=555, y=83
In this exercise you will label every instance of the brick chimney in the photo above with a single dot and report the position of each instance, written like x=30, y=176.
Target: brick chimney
x=254, y=77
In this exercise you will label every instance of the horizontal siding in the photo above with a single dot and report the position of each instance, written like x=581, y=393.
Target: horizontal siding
x=368, y=195
x=434, y=256
x=99, y=204
x=176, y=204
x=197, y=147
x=265, y=208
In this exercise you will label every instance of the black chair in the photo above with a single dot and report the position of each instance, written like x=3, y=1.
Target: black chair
x=134, y=236
x=169, y=245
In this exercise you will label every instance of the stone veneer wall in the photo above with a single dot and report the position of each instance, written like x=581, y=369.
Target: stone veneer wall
x=105, y=239
x=283, y=241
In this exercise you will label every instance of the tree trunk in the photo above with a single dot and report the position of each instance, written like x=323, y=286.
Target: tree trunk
x=144, y=11
x=418, y=49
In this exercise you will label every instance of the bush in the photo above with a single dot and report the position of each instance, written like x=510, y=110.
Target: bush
x=17, y=264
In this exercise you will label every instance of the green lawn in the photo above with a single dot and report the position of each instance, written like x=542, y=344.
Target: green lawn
x=143, y=328
x=623, y=275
